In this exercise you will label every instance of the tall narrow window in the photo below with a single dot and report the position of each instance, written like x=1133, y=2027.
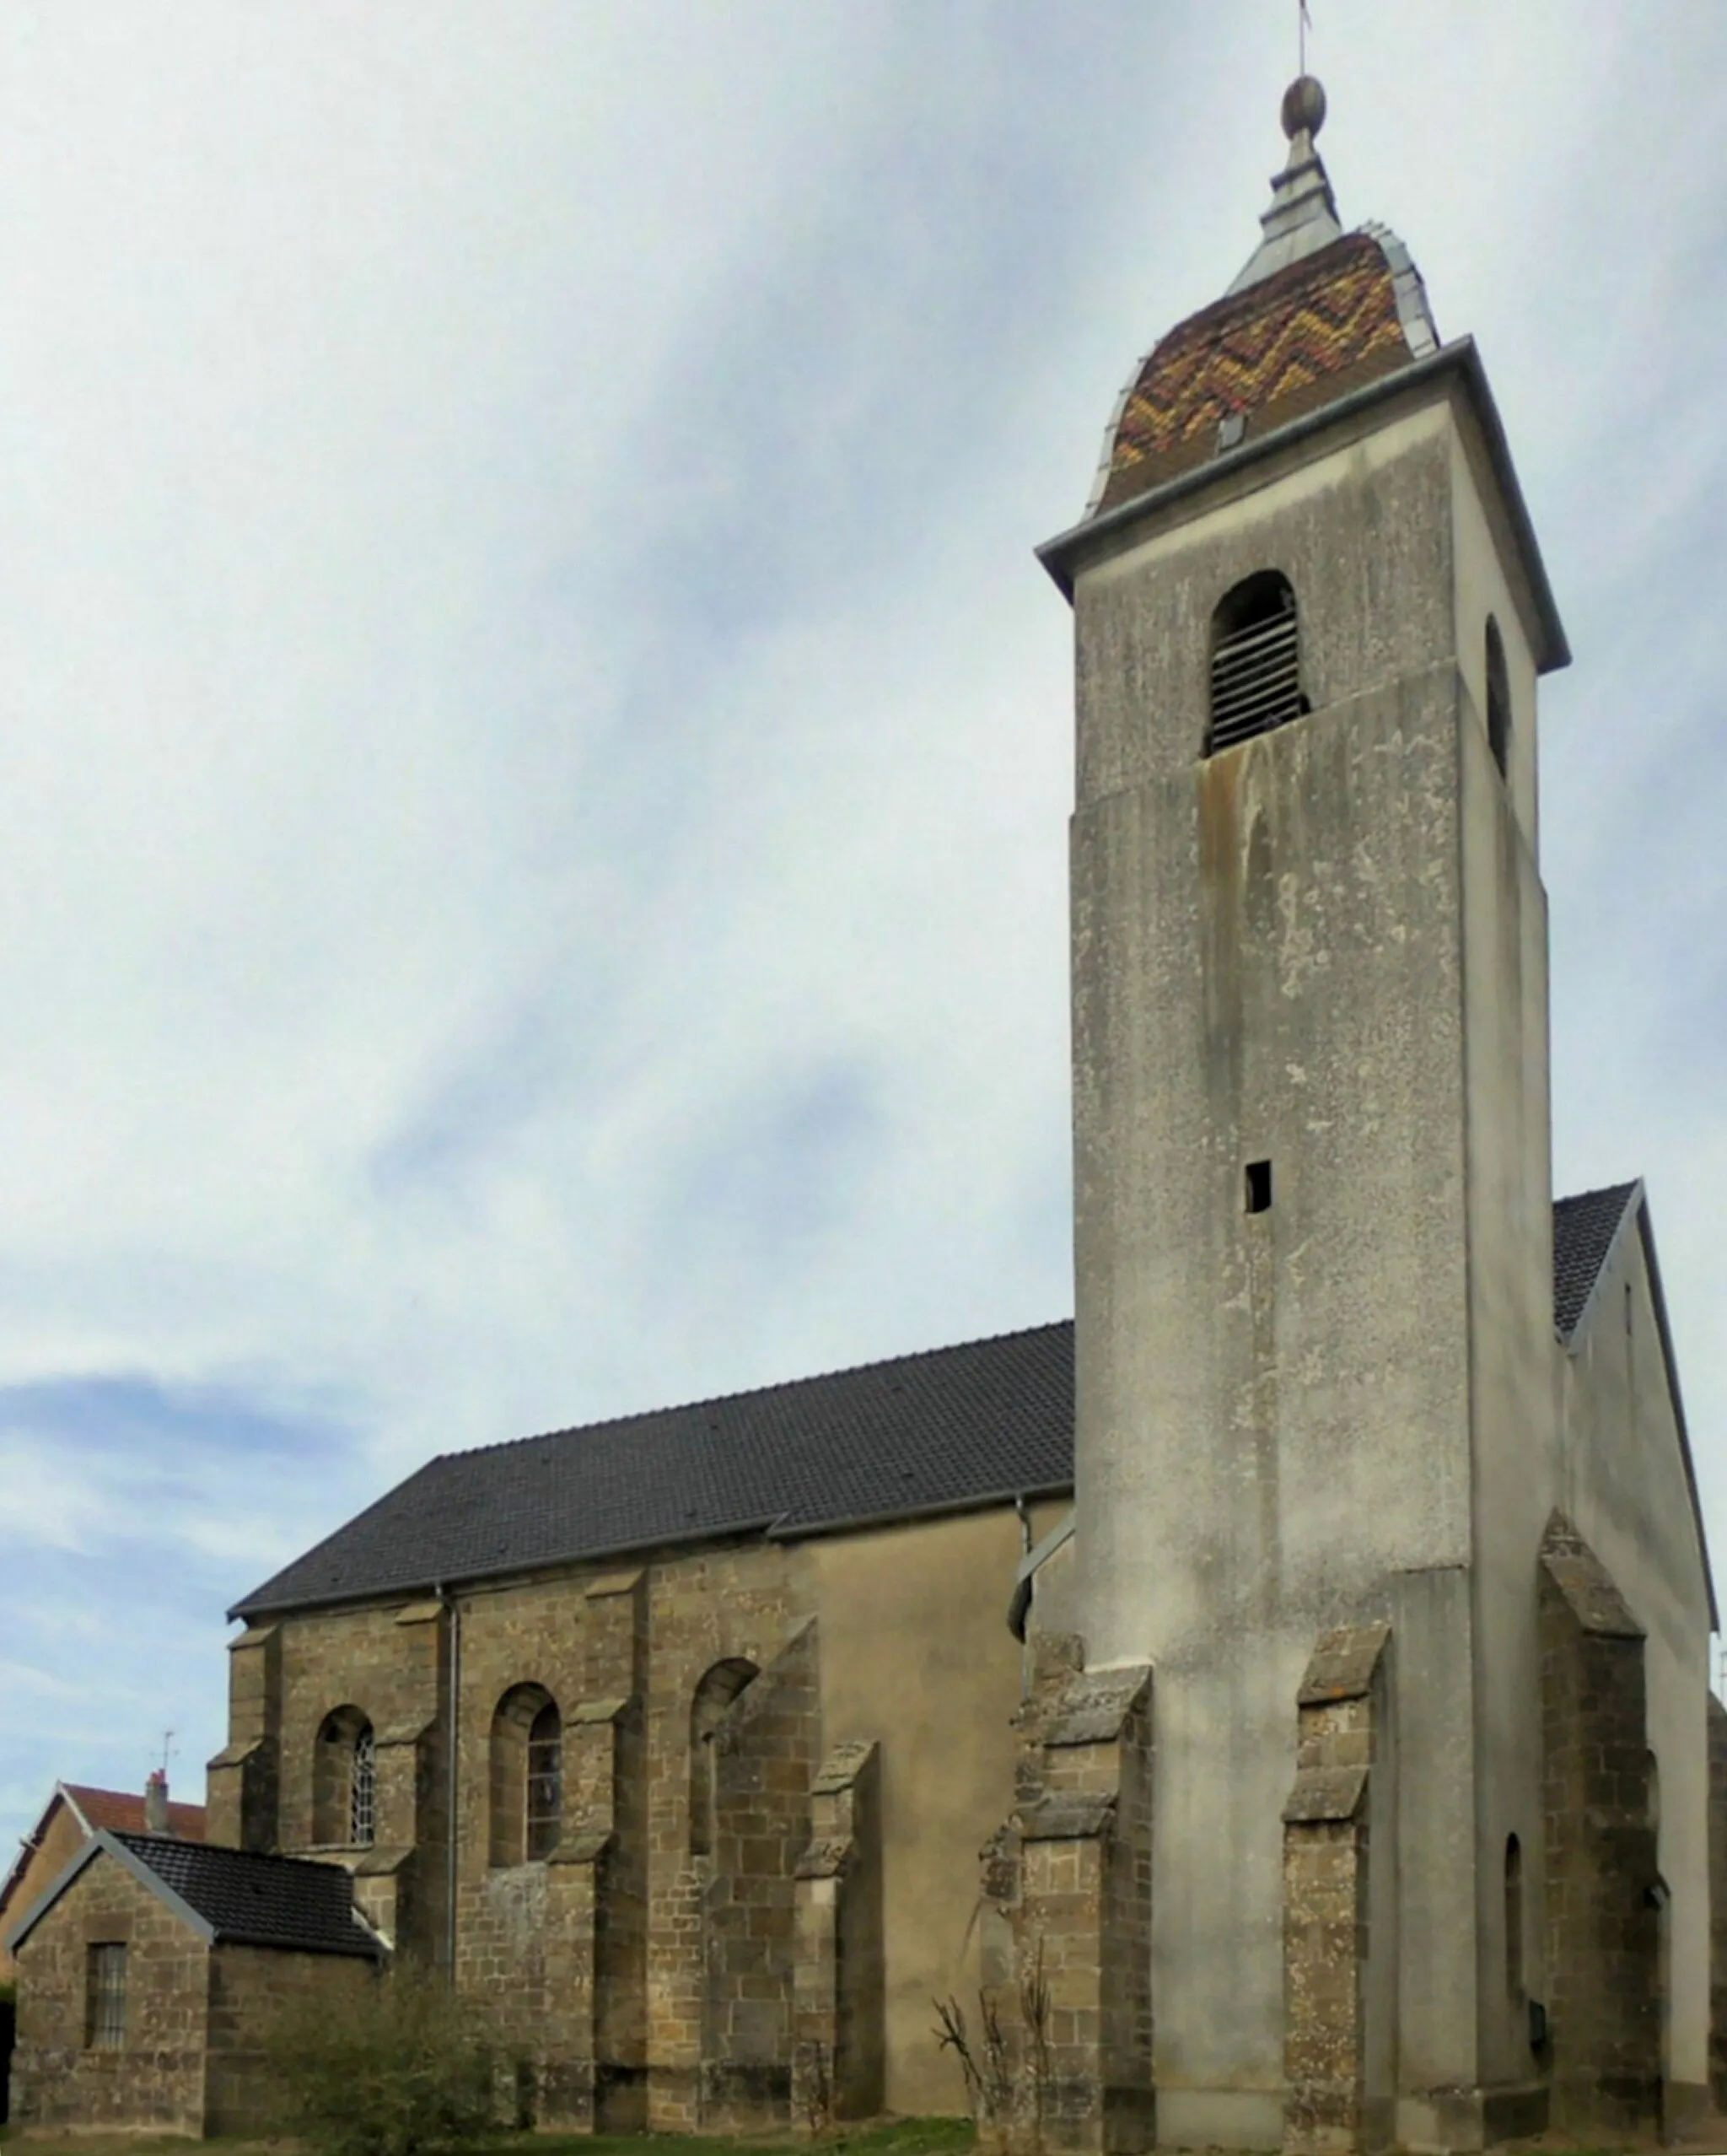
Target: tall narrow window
x=1514, y=1918
x=545, y=1814
x=344, y=1782
x=104, y=1998
x=1498, y=698
x=1255, y=661
x=527, y=1775
x=713, y=1699
x=363, y=1791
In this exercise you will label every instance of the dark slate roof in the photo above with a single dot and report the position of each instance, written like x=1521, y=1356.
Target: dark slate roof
x=1585, y=1228
x=254, y=1901
x=922, y=1433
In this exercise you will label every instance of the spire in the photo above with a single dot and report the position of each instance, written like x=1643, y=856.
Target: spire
x=1303, y=217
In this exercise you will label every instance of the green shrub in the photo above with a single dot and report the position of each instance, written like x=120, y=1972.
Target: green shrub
x=408, y=2066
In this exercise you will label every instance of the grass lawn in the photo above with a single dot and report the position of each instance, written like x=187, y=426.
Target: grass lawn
x=890, y=2138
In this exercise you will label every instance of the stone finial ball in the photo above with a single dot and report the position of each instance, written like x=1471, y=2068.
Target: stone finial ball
x=1303, y=106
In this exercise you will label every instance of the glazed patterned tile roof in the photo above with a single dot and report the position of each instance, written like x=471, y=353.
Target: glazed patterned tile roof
x=255, y=1900
x=1585, y=1228
x=952, y=1427
x=1280, y=348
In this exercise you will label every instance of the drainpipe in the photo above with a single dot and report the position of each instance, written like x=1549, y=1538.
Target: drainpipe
x=454, y=1742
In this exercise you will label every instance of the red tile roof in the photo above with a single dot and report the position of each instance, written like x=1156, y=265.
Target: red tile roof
x=122, y=1812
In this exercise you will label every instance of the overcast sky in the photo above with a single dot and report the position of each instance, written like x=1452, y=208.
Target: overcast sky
x=534, y=752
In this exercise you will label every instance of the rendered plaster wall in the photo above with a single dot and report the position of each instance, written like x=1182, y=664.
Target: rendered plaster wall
x=1274, y=1408
x=154, y=2078
x=1624, y=1485
x=916, y=1654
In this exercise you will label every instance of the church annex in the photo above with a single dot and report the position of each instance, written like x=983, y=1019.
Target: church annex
x=1284, y=1689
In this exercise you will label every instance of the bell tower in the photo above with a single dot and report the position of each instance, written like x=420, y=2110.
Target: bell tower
x=1313, y=1256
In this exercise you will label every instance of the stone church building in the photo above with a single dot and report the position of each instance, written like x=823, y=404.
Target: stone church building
x=1284, y=1689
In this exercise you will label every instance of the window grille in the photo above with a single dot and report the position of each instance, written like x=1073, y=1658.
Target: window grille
x=363, y=1790
x=1255, y=661
x=105, y=1999
x=545, y=1781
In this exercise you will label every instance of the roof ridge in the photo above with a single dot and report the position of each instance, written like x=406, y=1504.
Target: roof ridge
x=1623, y=1190
x=130, y=1834
x=749, y=1391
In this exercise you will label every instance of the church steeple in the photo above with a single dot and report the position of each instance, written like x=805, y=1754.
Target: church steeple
x=1312, y=1205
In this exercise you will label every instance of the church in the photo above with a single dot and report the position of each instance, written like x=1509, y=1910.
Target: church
x=1282, y=1692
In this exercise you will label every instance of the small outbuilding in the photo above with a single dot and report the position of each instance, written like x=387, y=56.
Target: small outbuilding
x=150, y=1972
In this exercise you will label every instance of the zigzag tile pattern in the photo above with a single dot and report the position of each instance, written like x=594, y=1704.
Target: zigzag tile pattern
x=1277, y=344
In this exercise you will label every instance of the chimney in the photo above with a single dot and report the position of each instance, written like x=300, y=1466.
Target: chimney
x=156, y=1804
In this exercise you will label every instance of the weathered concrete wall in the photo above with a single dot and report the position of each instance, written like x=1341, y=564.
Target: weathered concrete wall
x=1274, y=1408
x=155, y=2077
x=1513, y=1369
x=1624, y=1485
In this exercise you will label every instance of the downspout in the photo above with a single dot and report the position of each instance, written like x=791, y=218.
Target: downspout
x=1024, y=1512
x=454, y=1741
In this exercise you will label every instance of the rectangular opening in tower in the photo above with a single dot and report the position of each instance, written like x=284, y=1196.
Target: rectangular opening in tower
x=1259, y=1186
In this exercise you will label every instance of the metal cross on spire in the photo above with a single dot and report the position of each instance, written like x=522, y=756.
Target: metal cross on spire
x=1304, y=23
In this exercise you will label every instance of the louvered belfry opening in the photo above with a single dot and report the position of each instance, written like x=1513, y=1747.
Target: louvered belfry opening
x=1255, y=661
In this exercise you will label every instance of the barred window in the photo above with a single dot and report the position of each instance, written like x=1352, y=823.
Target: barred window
x=1255, y=661
x=104, y=2008
x=362, y=1792
x=545, y=1815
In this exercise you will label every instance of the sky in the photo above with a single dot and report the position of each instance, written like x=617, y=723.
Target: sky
x=535, y=752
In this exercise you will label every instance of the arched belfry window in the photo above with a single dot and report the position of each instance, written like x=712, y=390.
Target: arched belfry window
x=713, y=1699
x=526, y=1777
x=1498, y=698
x=1255, y=661
x=345, y=1781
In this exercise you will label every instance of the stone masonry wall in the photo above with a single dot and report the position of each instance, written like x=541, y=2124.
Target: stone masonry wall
x=839, y=2060
x=767, y=1747
x=1072, y=1876
x=1603, y=1959
x=155, y=2077
x=1718, y=1903
x=1330, y=2108
x=243, y=1781
x=250, y=1988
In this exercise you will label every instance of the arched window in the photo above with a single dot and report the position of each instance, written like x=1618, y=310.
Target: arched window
x=526, y=1778
x=713, y=1698
x=344, y=1782
x=1514, y=1918
x=1498, y=698
x=1255, y=661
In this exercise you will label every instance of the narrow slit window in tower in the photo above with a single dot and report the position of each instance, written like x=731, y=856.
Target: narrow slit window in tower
x=1498, y=698
x=1259, y=1186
